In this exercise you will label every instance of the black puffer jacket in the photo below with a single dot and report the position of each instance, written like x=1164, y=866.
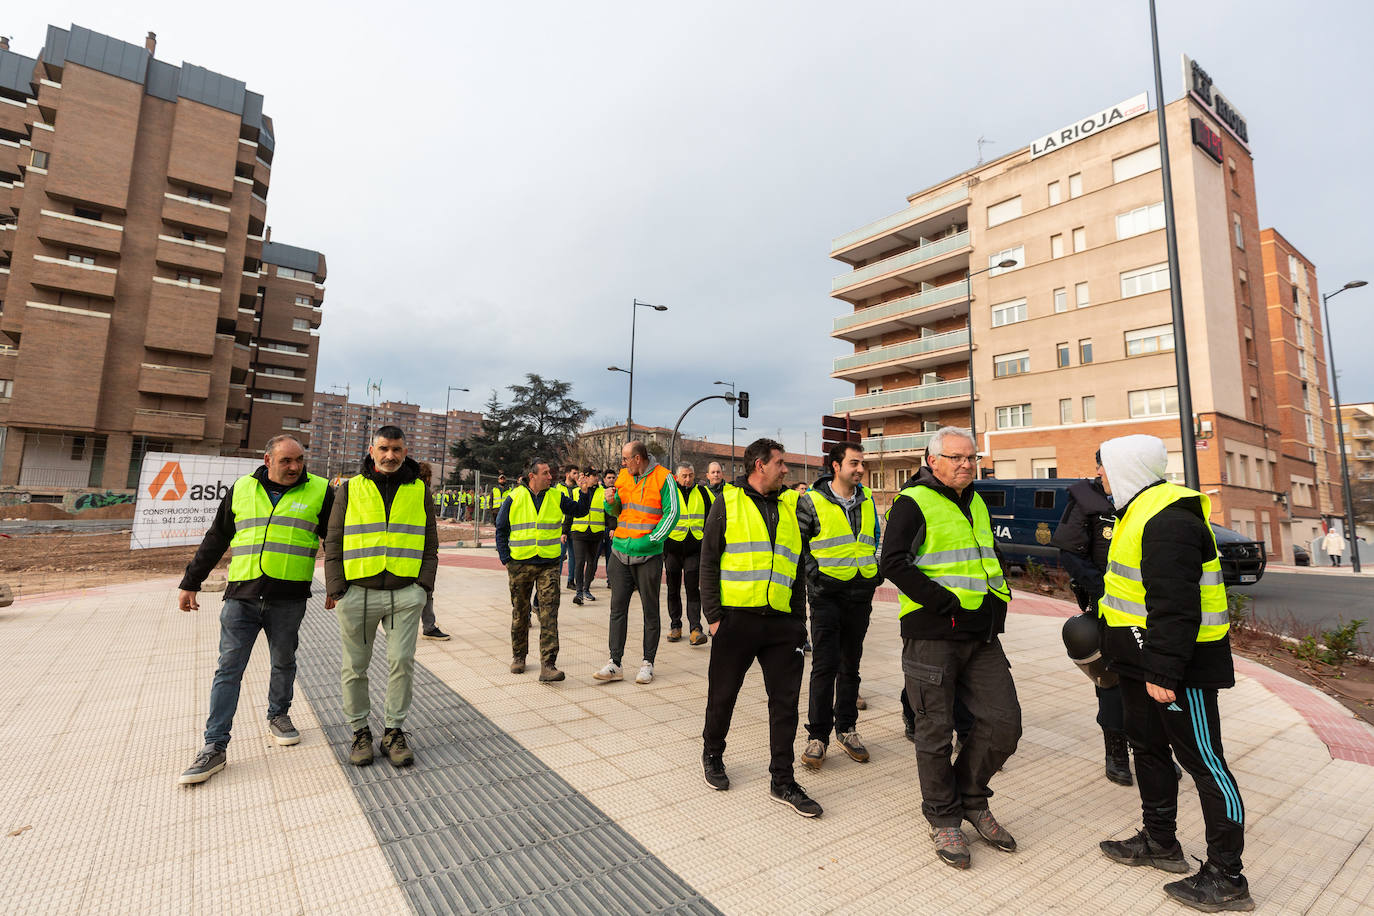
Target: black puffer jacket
x=1084, y=537
x=335, y=582
x=941, y=615
x=1175, y=544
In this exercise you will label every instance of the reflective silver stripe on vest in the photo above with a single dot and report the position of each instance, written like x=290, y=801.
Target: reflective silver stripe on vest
x=532, y=542
x=406, y=552
x=935, y=558
x=650, y=509
x=287, y=521
x=1124, y=605
x=1125, y=572
x=242, y=523
x=636, y=526
x=1215, y=618
x=762, y=547
x=395, y=528
x=756, y=575
x=522, y=525
x=292, y=549
x=846, y=561
x=246, y=550
x=1212, y=577
x=868, y=539
x=841, y=541
x=365, y=528
x=964, y=582
x=362, y=552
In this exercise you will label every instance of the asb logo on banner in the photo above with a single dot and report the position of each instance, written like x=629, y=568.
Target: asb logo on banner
x=178, y=496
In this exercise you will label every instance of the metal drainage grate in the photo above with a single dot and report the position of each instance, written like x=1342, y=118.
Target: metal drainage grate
x=479, y=824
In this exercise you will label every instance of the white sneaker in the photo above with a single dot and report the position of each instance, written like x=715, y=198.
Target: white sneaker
x=646, y=673
x=611, y=672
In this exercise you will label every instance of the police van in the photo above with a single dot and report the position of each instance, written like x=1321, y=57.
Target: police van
x=1025, y=512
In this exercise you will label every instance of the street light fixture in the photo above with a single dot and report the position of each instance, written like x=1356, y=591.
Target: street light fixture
x=1340, y=427
x=443, y=455
x=732, y=428
x=1004, y=264
x=630, y=409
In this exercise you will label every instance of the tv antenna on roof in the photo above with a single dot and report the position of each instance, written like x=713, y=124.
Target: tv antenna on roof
x=983, y=141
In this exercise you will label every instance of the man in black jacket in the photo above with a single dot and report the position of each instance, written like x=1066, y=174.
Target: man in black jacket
x=764, y=619
x=254, y=603
x=840, y=526
x=938, y=552
x=389, y=497
x=1168, y=640
x=1083, y=535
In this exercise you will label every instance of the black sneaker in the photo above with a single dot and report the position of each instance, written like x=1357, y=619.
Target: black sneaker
x=1118, y=758
x=208, y=762
x=435, y=633
x=1211, y=891
x=714, y=768
x=360, y=755
x=588, y=596
x=1141, y=850
x=793, y=795
x=991, y=832
x=395, y=747
x=283, y=731
x=909, y=726
x=577, y=599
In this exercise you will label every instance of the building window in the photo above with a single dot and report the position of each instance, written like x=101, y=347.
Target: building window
x=204, y=197
x=1011, y=364
x=1311, y=432
x=1006, y=210
x=1065, y=411
x=80, y=257
x=190, y=236
x=1080, y=295
x=1293, y=274
x=1139, y=221
x=1085, y=350
x=290, y=423
x=1056, y=246
x=87, y=213
x=6, y=388
x=1089, y=408
x=305, y=301
x=1017, y=416
x=291, y=274
x=1150, y=340
x=1044, y=469
x=1061, y=301
x=1054, y=193
x=1008, y=313
x=193, y=279
x=1062, y=355
x=1075, y=185
x=1145, y=280
x=300, y=324
x=1080, y=240
x=1017, y=254
x=1299, y=335
x=1235, y=178
x=38, y=159
x=1137, y=163
x=1239, y=230
x=1153, y=402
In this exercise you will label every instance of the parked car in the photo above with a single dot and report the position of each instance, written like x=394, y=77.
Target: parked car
x=1300, y=556
x=1025, y=513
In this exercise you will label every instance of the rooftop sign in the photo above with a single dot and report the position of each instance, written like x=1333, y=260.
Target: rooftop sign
x=1107, y=117
x=1198, y=84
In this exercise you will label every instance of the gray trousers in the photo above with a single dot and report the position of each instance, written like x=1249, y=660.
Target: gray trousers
x=625, y=580
x=979, y=671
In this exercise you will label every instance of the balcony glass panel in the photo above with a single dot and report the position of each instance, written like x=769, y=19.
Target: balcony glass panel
x=940, y=294
x=901, y=396
x=898, y=262
x=909, y=348
x=901, y=218
x=907, y=443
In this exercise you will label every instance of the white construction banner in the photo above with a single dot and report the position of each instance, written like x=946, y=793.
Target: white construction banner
x=178, y=496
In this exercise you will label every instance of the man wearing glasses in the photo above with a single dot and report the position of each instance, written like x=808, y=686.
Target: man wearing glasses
x=938, y=551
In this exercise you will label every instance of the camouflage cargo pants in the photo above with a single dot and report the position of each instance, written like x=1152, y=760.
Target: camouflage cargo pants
x=543, y=581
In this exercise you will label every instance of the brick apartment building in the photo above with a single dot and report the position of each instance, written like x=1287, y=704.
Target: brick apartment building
x=1074, y=343
x=141, y=306
x=1357, y=421
x=341, y=431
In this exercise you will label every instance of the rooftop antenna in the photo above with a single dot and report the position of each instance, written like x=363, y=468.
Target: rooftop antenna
x=983, y=141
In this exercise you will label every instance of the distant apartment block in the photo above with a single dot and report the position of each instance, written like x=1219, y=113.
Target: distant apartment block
x=341, y=431
x=142, y=307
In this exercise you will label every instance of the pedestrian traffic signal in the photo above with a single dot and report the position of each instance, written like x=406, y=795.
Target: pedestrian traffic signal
x=742, y=402
x=835, y=430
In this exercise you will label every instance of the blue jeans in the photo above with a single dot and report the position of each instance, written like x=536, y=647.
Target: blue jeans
x=239, y=624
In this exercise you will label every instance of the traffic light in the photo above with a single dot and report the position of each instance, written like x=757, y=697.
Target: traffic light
x=835, y=430
x=742, y=401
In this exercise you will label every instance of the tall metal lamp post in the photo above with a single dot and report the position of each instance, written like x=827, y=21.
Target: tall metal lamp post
x=732, y=428
x=1004, y=264
x=1340, y=427
x=630, y=408
x=443, y=456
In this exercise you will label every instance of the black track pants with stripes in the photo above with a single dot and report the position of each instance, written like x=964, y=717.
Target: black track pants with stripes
x=1192, y=728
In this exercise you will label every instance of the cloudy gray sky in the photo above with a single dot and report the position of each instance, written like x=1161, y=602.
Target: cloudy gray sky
x=493, y=184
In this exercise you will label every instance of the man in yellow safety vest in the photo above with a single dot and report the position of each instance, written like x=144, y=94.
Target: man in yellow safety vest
x=271, y=522
x=1167, y=638
x=586, y=531
x=380, y=557
x=682, y=555
x=938, y=551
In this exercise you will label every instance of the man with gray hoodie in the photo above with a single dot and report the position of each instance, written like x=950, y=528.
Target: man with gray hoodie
x=1167, y=638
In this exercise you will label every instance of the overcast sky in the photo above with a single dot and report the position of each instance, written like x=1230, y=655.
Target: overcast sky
x=494, y=184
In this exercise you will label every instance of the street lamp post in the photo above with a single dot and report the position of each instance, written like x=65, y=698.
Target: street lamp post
x=443, y=455
x=1340, y=427
x=1004, y=264
x=630, y=408
x=732, y=428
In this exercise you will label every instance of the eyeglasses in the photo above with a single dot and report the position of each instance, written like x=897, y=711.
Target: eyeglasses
x=960, y=459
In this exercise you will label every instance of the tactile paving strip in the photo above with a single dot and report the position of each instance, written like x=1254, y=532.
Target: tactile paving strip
x=479, y=824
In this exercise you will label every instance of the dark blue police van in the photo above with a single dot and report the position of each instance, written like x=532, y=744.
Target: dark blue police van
x=1025, y=513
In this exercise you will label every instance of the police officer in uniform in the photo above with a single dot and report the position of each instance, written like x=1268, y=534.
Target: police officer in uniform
x=1168, y=640
x=938, y=551
x=271, y=523
x=682, y=556
x=750, y=551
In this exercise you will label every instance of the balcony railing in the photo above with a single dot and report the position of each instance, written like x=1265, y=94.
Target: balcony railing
x=901, y=261
x=914, y=212
x=1363, y=434
x=907, y=443
x=916, y=347
x=1364, y=454
x=940, y=294
x=903, y=396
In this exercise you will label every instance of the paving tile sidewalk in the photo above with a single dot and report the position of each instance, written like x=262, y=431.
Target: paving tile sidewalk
x=103, y=697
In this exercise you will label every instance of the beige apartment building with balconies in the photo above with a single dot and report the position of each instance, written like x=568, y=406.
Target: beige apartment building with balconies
x=1074, y=343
